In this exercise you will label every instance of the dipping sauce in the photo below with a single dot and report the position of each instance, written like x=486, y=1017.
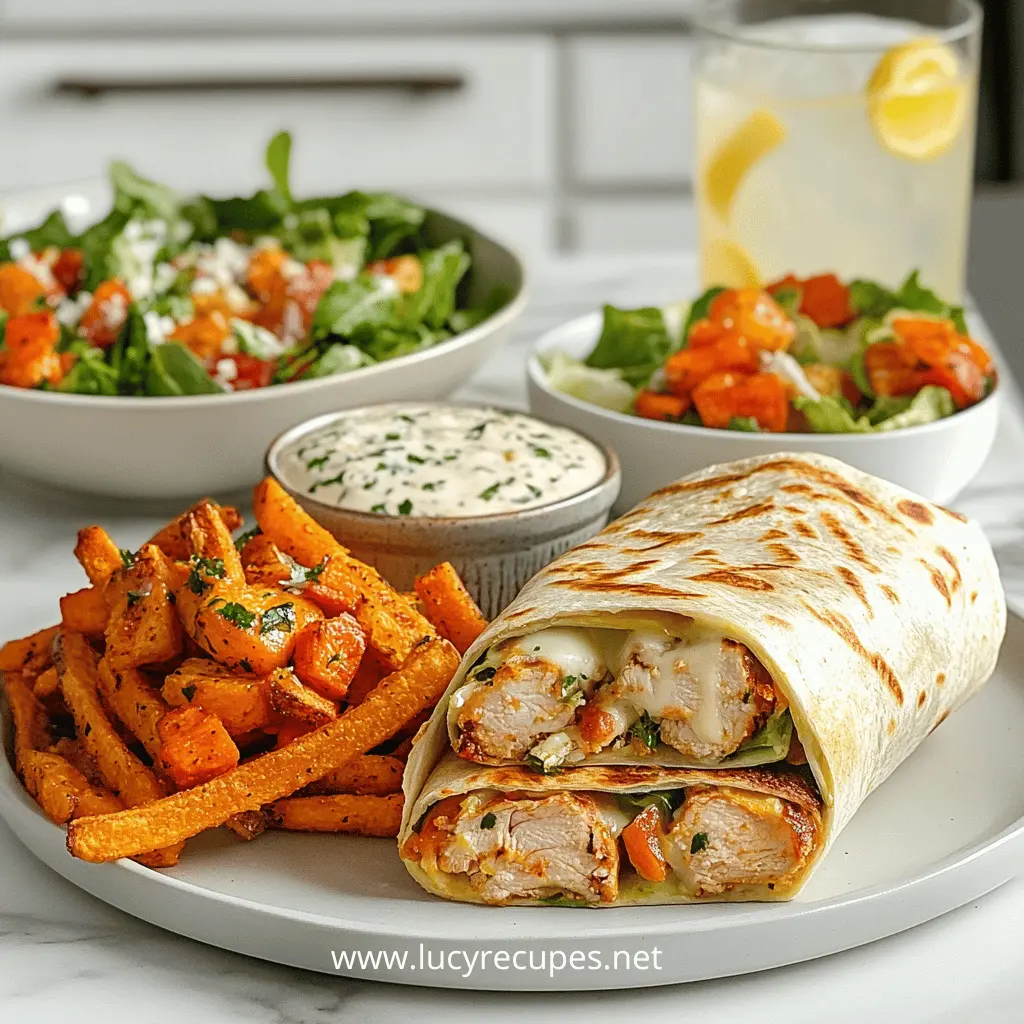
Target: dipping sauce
x=440, y=460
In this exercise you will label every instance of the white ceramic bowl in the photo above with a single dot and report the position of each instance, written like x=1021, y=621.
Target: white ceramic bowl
x=936, y=460
x=494, y=554
x=208, y=444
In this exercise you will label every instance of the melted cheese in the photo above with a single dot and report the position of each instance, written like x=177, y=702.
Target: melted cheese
x=574, y=651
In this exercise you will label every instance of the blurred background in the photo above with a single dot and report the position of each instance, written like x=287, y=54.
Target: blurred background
x=562, y=125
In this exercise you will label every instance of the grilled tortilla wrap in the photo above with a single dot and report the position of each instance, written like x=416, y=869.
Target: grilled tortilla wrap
x=807, y=590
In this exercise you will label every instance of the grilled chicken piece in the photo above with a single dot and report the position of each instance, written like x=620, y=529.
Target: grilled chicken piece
x=532, y=694
x=709, y=695
x=532, y=847
x=724, y=838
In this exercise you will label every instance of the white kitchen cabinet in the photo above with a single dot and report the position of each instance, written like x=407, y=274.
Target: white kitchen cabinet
x=446, y=113
x=632, y=224
x=630, y=110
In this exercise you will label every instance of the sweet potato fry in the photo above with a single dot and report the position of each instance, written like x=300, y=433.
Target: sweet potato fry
x=85, y=611
x=368, y=675
x=31, y=728
x=289, y=697
x=135, y=701
x=392, y=626
x=194, y=747
x=355, y=815
x=31, y=655
x=263, y=563
x=143, y=628
x=210, y=540
x=47, y=683
x=449, y=606
x=62, y=791
x=249, y=628
x=290, y=527
x=173, y=539
x=399, y=698
x=367, y=775
x=240, y=701
x=98, y=555
x=327, y=655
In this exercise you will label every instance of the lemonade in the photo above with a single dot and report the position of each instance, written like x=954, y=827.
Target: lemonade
x=842, y=142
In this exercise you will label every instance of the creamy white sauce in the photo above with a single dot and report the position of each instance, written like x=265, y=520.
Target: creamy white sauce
x=436, y=460
x=572, y=650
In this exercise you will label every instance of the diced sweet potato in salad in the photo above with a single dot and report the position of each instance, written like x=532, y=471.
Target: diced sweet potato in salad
x=813, y=354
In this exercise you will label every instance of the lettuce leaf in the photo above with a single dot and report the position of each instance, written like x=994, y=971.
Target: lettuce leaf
x=633, y=341
x=338, y=359
x=604, y=388
x=699, y=310
x=278, y=159
x=874, y=300
x=348, y=305
x=769, y=743
x=443, y=269
x=666, y=801
x=174, y=370
x=835, y=415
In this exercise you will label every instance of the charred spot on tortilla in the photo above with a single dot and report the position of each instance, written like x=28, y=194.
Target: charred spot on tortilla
x=938, y=721
x=774, y=620
x=916, y=511
x=952, y=515
x=729, y=578
x=805, y=530
x=921, y=698
x=784, y=553
x=706, y=553
x=938, y=581
x=853, y=546
x=615, y=587
x=852, y=580
x=974, y=596
x=940, y=679
x=891, y=727
x=890, y=593
x=950, y=559
x=758, y=509
x=664, y=538
x=841, y=626
x=520, y=613
x=773, y=534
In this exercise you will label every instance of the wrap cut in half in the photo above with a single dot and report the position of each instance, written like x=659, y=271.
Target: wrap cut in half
x=767, y=639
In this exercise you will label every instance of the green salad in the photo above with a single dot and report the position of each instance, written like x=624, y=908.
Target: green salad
x=809, y=355
x=172, y=295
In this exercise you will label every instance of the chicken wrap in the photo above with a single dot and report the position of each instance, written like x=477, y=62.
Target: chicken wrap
x=784, y=621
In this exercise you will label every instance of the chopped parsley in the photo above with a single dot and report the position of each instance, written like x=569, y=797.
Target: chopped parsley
x=483, y=674
x=319, y=462
x=188, y=692
x=534, y=762
x=392, y=437
x=206, y=567
x=645, y=729
x=541, y=453
x=134, y=597
x=127, y=557
x=488, y=821
x=698, y=842
x=489, y=492
x=405, y=507
x=237, y=614
x=280, y=618
x=379, y=509
x=417, y=459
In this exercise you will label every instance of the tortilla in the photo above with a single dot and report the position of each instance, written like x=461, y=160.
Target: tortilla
x=876, y=612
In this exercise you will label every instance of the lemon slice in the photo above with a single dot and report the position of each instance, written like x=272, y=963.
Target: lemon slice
x=917, y=100
x=753, y=140
x=727, y=264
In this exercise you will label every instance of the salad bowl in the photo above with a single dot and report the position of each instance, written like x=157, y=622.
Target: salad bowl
x=178, y=445
x=935, y=460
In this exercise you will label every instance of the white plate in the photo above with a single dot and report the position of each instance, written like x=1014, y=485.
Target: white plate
x=214, y=444
x=945, y=829
x=936, y=460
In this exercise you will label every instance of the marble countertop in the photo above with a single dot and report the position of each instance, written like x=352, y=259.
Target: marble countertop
x=64, y=954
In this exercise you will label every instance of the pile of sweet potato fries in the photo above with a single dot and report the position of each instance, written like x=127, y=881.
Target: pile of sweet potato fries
x=268, y=682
